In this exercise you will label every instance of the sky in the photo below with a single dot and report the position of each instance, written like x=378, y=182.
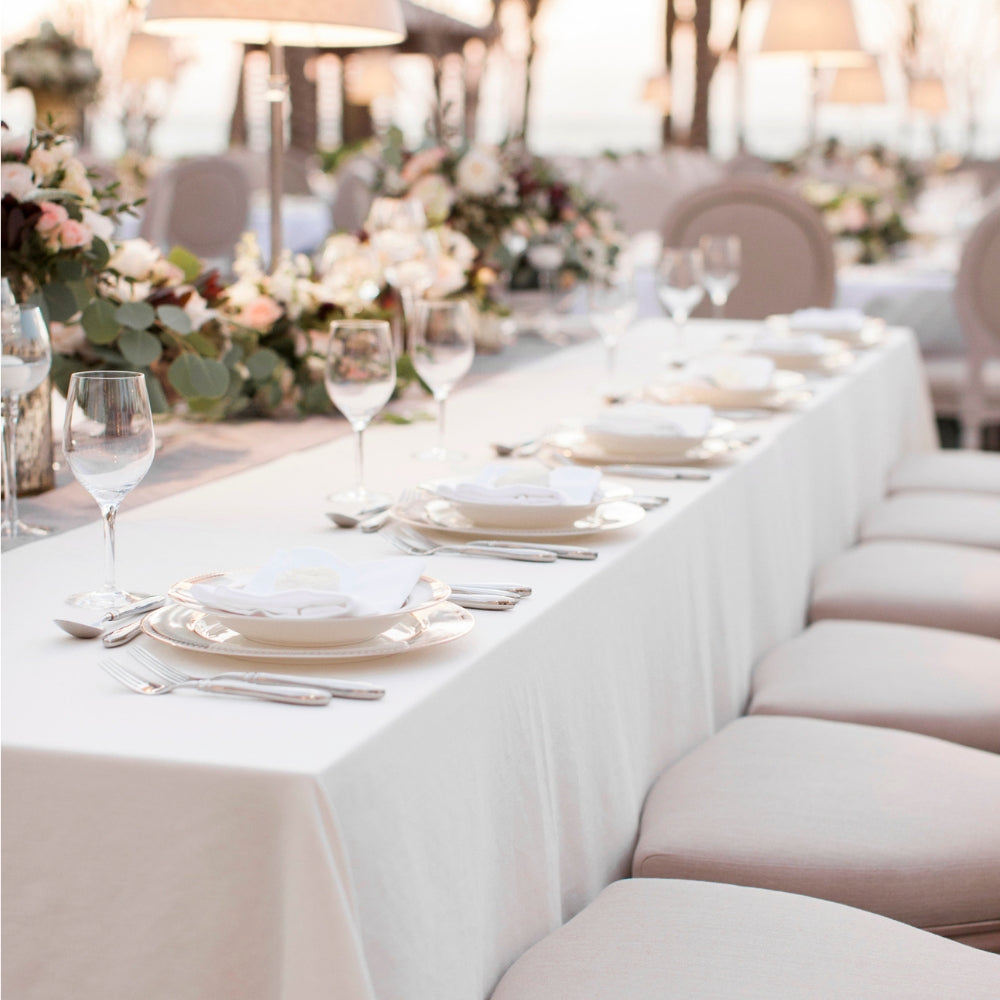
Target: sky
x=593, y=58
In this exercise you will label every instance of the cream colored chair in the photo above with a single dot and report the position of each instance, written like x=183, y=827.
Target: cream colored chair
x=953, y=587
x=670, y=939
x=977, y=301
x=935, y=516
x=964, y=471
x=787, y=260
x=894, y=823
x=922, y=680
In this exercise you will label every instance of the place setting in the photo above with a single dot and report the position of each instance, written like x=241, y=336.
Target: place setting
x=806, y=351
x=849, y=327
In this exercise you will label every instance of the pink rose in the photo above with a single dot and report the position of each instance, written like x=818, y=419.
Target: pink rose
x=52, y=217
x=424, y=162
x=260, y=314
x=73, y=234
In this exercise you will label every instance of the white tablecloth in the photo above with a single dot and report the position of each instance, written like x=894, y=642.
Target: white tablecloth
x=198, y=847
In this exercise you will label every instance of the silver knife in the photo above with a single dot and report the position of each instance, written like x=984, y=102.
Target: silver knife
x=484, y=602
x=655, y=472
x=339, y=689
x=521, y=552
x=562, y=551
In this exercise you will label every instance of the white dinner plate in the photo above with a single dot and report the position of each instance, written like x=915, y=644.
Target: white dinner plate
x=578, y=447
x=651, y=447
x=784, y=391
x=530, y=516
x=294, y=630
x=871, y=332
x=202, y=632
x=834, y=358
x=438, y=514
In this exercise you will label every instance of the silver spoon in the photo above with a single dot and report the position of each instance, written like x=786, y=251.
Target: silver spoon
x=523, y=449
x=342, y=520
x=91, y=630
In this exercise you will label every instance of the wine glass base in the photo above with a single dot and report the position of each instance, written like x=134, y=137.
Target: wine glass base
x=104, y=600
x=440, y=455
x=358, y=499
x=17, y=529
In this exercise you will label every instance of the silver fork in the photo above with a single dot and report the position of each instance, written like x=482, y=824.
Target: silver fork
x=338, y=689
x=289, y=695
x=413, y=543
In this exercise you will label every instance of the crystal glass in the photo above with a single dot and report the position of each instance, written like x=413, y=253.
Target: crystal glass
x=442, y=350
x=679, y=284
x=611, y=305
x=547, y=257
x=405, y=214
x=721, y=257
x=27, y=358
x=360, y=377
x=108, y=441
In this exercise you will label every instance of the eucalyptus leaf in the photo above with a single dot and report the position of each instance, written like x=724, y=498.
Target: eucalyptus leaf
x=262, y=364
x=193, y=377
x=100, y=252
x=137, y=315
x=174, y=318
x=99, y=322
x=157, y=397
x=81, y=292
x=140, y=347
x=186, y=261
x=204, y=346
x=60, y=301
x=69, y=270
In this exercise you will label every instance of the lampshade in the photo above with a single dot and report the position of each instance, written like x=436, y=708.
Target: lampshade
x=149, y=57
x=369, y=76
x=857, y=85
x=657, y=91
x=927, y=94
x=307, y=23
x=824, y=30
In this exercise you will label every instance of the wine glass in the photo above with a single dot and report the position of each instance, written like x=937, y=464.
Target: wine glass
x=612, y=307
x=109, y=443
x=679, y=284
x=27, y=358
x=547, y=257
x=360, y=377
x=721, y=256
x=442, y=351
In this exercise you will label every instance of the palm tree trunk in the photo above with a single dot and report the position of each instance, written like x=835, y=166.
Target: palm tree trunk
x=705, y=62
x=667, y=125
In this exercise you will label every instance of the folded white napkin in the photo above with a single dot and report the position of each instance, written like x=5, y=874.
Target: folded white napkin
x=526, y=483
x=651, y=420
x=802, y=343
x=315, y=583
x=827, y=320
x=732, y=371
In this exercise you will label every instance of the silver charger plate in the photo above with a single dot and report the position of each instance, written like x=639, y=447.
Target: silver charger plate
x=196, y=630
x=438, y=514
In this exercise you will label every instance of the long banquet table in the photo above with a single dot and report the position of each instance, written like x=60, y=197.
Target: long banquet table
x=409, y=849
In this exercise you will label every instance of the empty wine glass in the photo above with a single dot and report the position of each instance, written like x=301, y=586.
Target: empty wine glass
x=27, y=358
x=442, y=351
x=679, y=284
x=612, y=307
x=547, y=257
x=109, y=442
x=360, y=377
x=721, y=256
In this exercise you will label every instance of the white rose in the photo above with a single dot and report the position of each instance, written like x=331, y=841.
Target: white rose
x=241, y=293
x=67, y=338
x=13, y=144
x=100, y=225
x=165, y=272
x=198, y=312
x=44, y=162
x=75, y=180
x=436, y=195
x=134, y=258
x=479, y=173
x=17, y=179
x=124, y=290
x=337, y=247
x=457, y=245
x=450, y=277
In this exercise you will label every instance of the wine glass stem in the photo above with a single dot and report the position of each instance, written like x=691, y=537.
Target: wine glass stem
x=612, y=357
x=718, y=309
x=441, y=400
x=359, y=458
x=11, y=414
x=108, y=515
x=408, y=300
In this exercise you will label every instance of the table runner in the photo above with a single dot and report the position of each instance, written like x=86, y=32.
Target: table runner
x=197, y=847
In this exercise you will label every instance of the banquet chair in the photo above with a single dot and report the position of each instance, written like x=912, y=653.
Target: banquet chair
x=922, y=680
x=787, y=259
x=964, y=471
x=896, y=823
x=647, y=939
x=953, y=587
x=201, y=204
x=933, y=516
x=977, y=301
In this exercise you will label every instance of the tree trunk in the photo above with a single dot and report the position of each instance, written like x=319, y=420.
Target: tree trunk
x=667, y=125
x=705, y=63
x=238, y=122
x=302, y=97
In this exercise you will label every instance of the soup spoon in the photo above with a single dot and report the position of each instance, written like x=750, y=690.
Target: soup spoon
x=92, y=629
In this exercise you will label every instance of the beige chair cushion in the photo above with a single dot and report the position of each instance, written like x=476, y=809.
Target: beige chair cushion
x=923, y=680
x=966, y=471
x=955, y=518
x=656, y=939
x=894, y=823
x=914, y=583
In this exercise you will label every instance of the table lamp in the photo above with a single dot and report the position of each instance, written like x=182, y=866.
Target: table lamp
x=657, y=91
x=857, y=85
x=927, y=94
x=822, y=30
x=277, y=23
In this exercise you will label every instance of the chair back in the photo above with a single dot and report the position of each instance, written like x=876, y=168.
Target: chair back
x=201, y=204
x=787, y=260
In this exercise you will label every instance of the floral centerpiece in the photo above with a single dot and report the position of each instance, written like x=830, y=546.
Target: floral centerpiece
x=501, y=200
